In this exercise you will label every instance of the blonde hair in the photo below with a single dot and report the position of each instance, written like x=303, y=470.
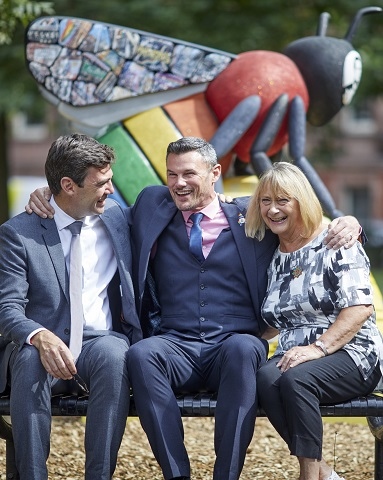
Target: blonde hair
x=287, y=180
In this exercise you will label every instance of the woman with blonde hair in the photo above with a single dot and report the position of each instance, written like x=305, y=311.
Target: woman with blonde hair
x=320, y=302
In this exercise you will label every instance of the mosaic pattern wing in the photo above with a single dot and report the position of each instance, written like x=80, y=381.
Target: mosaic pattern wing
x=81, y=62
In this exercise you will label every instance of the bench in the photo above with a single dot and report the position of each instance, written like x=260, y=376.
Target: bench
x=203, y=405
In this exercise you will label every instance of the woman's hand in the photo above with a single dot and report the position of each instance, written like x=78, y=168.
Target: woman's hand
x=342, y=331
x=297, y=355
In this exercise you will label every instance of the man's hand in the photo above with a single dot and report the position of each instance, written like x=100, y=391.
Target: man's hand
x=39, y=203
x=342, y=231
x=54, y=354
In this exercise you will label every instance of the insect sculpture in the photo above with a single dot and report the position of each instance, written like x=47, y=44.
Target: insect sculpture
x=138, y=91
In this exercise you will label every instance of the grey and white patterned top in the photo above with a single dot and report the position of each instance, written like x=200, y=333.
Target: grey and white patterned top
x=308, y=288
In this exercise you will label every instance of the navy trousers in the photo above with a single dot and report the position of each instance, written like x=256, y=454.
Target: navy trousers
x=103, y=366
x=163, y=365
x=291, y=399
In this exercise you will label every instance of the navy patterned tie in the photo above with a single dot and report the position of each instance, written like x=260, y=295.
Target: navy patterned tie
x=195, y=243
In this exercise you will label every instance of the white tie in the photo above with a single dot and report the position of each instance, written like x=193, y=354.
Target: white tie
x=75, y=291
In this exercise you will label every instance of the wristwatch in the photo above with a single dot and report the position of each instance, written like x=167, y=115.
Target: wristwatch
x=322, y=346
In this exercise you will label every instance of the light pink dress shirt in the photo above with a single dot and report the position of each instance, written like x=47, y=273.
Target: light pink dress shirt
x=212, y=224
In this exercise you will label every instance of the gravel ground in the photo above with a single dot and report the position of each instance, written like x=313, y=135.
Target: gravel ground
x=267, y=457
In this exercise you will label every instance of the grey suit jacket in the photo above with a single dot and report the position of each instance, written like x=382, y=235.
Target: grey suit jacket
x=150, y=215
x=34, y=283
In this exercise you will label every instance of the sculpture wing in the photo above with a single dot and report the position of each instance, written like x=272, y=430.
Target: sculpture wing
x=97, y=73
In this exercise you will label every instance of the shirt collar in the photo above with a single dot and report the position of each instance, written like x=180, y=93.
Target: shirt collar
x=210, y=210
x=62, y=219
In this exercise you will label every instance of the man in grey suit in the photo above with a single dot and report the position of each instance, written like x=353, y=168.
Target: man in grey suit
x=35, y=318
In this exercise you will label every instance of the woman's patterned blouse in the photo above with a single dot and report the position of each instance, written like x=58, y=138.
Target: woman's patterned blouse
x=308, y=288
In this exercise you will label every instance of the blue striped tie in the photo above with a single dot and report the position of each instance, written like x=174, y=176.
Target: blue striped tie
x=195, y=243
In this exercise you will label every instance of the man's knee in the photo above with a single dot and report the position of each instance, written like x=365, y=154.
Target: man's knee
x=149, y=358
x=28, y=377
x=26, y=361
x=246, y=347
x=142, y=351
x=137, y=356
x=109, y=348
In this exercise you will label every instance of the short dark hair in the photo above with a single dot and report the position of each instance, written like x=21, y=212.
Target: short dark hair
x=71, y=156
x=194, y=144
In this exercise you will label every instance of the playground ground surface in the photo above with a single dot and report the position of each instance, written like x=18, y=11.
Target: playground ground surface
x=267, y=457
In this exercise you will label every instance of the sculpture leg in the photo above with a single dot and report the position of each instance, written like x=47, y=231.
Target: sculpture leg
x=234, y=127
x=297, y=142
x=267, y=133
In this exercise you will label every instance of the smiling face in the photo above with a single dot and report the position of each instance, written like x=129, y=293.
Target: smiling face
x=191, y=180
x=281, y=214
x=88, y=199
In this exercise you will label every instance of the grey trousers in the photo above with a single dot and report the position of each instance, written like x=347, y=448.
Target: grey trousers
x=291, y=399
x=103, y=366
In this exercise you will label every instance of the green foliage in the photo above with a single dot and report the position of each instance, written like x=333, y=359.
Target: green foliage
x=230, y=25
x=237, y=26
x=13, y=12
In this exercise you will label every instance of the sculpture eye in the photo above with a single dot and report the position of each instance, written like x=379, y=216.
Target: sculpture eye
x=352, y=72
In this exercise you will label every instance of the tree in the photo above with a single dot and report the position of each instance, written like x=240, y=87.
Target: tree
x=14, y=16
x=240, y=25
x=231, y=25
x=13, y=12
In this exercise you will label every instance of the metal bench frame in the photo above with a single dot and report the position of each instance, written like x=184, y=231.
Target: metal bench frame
x=203, y=405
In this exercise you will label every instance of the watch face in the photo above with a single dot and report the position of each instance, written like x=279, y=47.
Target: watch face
x=321, y=345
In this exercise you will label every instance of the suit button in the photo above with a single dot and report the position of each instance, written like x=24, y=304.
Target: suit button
x=66, y=331
x=202, y=334
x=202, y=286
x=202, y=319
x=202, y=304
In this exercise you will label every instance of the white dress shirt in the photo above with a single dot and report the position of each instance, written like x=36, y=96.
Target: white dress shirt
x=98, y=266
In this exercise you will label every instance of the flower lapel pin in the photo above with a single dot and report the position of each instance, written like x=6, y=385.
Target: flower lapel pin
x=296, y=272
x=241, y=219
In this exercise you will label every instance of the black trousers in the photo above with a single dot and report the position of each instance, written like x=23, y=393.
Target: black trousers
x=291, y=399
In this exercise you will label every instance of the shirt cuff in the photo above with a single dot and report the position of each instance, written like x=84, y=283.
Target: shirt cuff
x=28, y=340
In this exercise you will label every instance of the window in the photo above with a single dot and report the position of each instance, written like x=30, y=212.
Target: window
x=358, y=202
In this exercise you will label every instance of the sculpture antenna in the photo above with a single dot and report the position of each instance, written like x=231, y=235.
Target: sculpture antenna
x=323, y=24
x=355, y=23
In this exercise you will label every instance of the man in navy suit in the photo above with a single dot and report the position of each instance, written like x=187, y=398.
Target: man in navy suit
x=203, y=314
x=35, y=314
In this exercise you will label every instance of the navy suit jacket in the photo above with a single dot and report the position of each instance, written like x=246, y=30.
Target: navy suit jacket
x=34, y=283
x=150, y=215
